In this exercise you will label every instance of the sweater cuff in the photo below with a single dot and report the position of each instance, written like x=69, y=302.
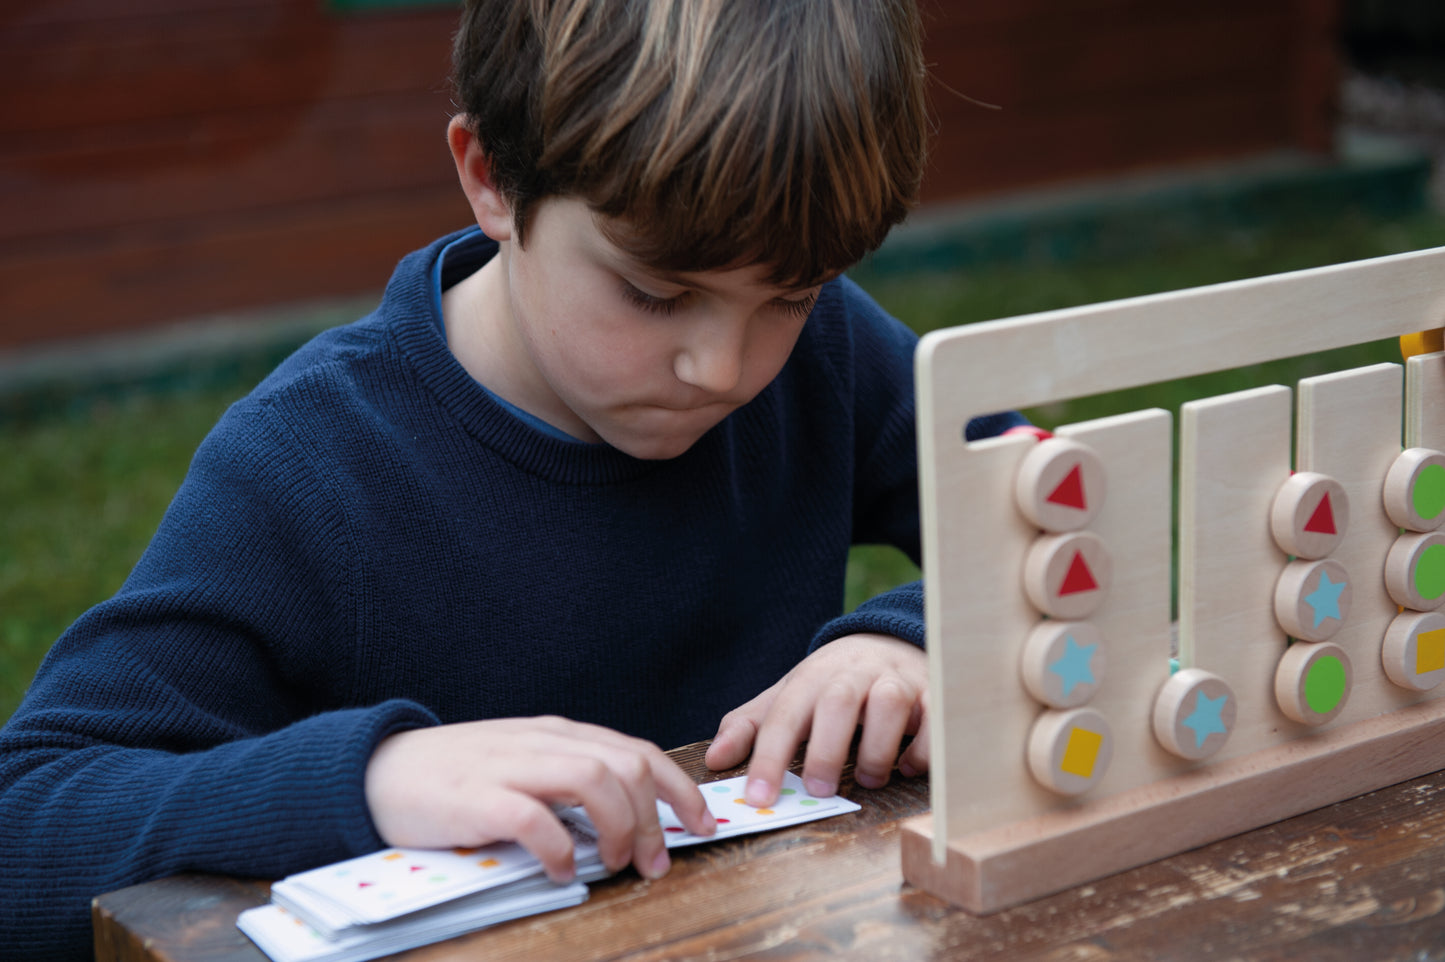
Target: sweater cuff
x=358, y=832
x=898, y=613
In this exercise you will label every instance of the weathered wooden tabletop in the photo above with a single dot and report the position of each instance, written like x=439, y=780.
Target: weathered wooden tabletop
x=1361, y=880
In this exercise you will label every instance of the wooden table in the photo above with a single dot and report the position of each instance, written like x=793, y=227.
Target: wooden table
x=1364, y=879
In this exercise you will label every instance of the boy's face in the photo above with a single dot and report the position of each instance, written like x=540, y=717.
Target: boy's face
x=607, y=349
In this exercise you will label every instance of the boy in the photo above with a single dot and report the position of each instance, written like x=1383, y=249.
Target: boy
x=584, y=483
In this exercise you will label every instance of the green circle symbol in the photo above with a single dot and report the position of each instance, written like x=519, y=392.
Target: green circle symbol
x=1430, y=572
x=1429, y=493
x=1325, y=685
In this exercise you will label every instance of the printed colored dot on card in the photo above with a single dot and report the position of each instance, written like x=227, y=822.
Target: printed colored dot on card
x=808, y=801
x=740, y=801
x=720, y=788
x=392, y=857
x=788, y=791
x=723, y=821
x=765, y=811
x=672, y=828
x=1325, y=685
x=489, y=863
x=464, y=852
x=437, y=878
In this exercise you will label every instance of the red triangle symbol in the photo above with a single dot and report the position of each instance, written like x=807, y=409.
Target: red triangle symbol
x=418, y=868
x=1070, y=492
x=1079, y=578
x=1323, y=520
x=362, y=885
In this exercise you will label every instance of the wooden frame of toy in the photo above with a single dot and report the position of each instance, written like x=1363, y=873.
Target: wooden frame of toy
x=1310, y=564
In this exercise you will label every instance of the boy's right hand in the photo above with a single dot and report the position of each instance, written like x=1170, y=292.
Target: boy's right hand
x=474, y=783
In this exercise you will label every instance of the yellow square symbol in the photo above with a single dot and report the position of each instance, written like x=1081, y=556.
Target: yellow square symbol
x=1430, y=651
x=1081, y=752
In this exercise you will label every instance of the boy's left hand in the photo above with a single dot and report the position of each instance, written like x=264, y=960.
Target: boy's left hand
x=876, y=681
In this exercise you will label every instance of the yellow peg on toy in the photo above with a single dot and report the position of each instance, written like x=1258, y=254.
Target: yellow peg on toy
x=1422, y=342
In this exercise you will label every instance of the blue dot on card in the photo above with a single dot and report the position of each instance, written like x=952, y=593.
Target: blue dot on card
x=720, y=788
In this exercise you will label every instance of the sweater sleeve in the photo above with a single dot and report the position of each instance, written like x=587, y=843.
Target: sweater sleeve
x=885, y=496
x=179, y=726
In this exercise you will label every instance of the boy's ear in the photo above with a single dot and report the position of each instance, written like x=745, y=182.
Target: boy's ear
x=474, y=169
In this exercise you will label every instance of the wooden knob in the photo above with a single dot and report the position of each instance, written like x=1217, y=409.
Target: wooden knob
x=1194, y=713
x=1067, y=575
x=1063, y=663
x=1414, y=650
x=1312, y=599
x=1415, y=570
x=1415, y=490
x=1069, y=751
x=1312, y=682
x=1309, y=515
x=1060, y=485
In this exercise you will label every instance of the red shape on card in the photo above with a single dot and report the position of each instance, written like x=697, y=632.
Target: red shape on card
x=1079, y=577
x=418, y=868
x=1070, y=491
x=364, y=885
x=1323, y=520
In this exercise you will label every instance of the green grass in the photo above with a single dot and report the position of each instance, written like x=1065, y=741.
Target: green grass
x=83, y=491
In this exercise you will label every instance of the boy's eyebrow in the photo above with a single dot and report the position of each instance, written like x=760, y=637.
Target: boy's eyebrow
x=683, y=279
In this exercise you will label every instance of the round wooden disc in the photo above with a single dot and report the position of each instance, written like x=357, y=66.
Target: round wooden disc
x=1312, y=599
x=1067, y=575
x=1194, y=713
x=1414, y=650
x=1309, y=515
x=1415, y=490
x=1063, y=663
x=1415, y=570
x=1060, y=485
x=1312, y=682
x=1069, y=751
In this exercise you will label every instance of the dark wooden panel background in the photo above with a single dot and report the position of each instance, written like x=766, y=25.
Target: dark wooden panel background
x=162, y=159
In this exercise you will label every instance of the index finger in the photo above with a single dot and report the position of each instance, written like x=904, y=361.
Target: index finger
x=681, y=792
x=782, y=731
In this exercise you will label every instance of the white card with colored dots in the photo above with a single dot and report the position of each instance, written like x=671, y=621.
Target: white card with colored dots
x=396, y=881
x=736, y=817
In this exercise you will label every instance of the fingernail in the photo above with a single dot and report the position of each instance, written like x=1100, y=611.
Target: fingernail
x=709, y=821
x=659, y=865
x=867, y=780
x=907, y=770
x=819, y=788
x=758, y=792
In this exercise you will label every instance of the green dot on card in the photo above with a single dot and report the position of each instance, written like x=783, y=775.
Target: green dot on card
x=808, y=801
x=1325, y=685
x=1430, y=572
x=1429, y=493
x=788, y=791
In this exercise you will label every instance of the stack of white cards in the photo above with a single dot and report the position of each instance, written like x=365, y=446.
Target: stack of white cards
x=400, y=898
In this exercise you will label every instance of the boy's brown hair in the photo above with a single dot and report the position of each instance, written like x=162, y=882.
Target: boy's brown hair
x=711, y=133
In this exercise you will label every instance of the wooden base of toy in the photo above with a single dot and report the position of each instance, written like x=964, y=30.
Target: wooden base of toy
x=999, y=868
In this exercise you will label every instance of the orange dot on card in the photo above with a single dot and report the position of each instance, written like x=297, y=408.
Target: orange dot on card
x=489, y=863
x=765, y=811
x=392, y=857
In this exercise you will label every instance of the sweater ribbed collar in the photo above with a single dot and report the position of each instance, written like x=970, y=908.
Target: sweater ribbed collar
x=414, y=320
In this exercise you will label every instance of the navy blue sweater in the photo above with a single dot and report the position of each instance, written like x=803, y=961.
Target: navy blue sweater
x=371, y=542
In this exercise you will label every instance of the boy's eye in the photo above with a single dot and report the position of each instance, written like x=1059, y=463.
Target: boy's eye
x=648, y=302
x=799, y=308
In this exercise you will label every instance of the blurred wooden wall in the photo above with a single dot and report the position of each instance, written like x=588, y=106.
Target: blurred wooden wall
x=163, y=159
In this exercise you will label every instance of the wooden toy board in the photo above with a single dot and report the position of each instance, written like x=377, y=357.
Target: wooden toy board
x=1260, y=723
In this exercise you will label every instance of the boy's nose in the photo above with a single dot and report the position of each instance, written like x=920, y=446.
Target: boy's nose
x=712, y=359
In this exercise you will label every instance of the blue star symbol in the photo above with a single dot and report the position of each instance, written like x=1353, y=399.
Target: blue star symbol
x=1072, y=666
x=1325, y=599
x=1205, y=720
